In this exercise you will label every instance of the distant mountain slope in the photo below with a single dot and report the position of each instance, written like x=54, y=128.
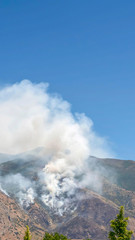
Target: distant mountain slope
x=5, y=157
x=120, y=172
x=123, y=171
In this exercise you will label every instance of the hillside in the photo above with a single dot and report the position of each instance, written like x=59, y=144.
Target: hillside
x=123, y=171
x=13, y=220
x=93, y=212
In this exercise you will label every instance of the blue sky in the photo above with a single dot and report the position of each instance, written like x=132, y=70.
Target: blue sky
x=85, y=50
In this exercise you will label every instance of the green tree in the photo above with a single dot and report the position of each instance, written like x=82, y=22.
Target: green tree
x=54, y=236
x=87, y=239
x=119, y=226
x=27, y=234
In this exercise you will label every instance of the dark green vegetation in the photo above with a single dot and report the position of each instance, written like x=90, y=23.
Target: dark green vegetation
x=54, y=236
x=27, y=234
x=119, y=227
x=48, y=236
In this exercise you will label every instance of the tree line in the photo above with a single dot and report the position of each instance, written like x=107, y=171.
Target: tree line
x=118, y=230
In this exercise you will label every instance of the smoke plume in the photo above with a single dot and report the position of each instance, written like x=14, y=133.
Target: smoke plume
x=31, y=118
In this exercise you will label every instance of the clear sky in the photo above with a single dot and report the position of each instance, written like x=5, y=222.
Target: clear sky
x=85, y=50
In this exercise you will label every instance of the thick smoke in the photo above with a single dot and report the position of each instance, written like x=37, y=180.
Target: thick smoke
x=20, y=187
x=31, y=118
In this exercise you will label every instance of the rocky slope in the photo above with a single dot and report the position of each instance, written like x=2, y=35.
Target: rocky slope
x=13, y=220
x=91, y=218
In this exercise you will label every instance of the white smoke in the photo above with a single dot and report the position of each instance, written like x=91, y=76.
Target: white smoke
x=20, y=187
x=3, y=191
x=30, y=118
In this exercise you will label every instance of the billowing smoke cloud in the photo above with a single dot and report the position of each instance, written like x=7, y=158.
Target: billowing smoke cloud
x=30, y=118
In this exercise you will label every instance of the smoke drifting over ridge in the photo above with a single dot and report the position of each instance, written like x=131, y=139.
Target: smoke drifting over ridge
x=30, y=118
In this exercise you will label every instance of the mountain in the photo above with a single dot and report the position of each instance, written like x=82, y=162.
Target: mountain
x=13, y=220
x=123, y=171
x=93, y=210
